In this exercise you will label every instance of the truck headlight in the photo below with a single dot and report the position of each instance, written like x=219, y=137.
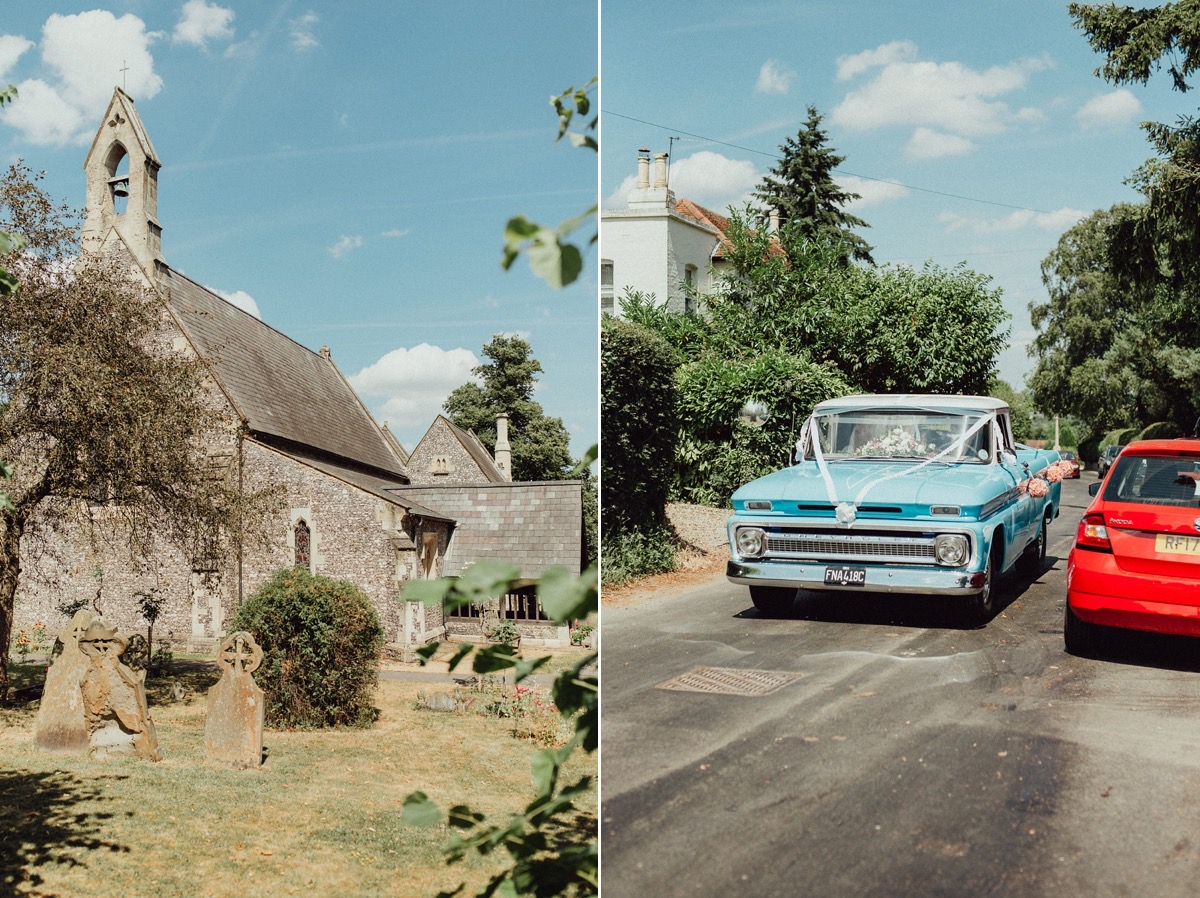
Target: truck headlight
x=750, y=542
x=951, y=549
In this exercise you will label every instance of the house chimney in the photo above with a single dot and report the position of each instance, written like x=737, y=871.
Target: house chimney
x=503, y=451
x=773, y=221
x=643, y=169
x=660, y=170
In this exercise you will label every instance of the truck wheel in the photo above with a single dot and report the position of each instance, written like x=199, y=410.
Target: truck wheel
x=982, y=605
x=1033, y=559
x=1080, y=637
x=772, y=601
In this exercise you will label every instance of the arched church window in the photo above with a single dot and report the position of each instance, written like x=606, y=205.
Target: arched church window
x=303, y=543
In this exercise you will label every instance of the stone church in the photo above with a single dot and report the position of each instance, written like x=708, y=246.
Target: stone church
x=355, y=505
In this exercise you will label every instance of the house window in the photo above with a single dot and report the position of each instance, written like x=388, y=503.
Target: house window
x=689, y=288
x=303, y=541
x=606, y=286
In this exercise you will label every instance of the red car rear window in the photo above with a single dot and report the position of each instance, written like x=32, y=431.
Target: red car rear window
x=1172, y=480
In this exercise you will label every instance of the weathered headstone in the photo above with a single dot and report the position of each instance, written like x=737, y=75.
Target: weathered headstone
x=114, y=697
x=233, y=732
x=61, y=725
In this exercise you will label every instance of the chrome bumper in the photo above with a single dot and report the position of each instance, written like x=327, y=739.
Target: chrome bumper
x=918, y=580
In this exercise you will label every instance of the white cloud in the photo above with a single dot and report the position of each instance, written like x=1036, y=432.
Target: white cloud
x=83, y=57
x=617, y=199
x=344, y=244
x=407, y=387
x=1118, y=107
x=927, y=143
x=241, y=299
x=396, y=232
x=944, y=98
x=1017, y=220
x=773, y=78
x=301, y=31
x=12, y=46
x=881, y=57
x=199, y=23
x=871, y=192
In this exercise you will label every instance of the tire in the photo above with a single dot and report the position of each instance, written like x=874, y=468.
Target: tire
x=982, y=606
x=1080, y=637
x=772, y=601
x=1033, y=560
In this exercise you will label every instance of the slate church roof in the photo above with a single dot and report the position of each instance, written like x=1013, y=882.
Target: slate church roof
x=535, y=525
x=288, y=395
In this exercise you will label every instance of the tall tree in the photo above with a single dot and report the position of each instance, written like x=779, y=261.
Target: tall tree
x=540, y=444
x=801, y=187
x=99, y=411
x=1163, y=244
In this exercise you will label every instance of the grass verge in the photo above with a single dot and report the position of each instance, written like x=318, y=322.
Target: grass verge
x=321, y=817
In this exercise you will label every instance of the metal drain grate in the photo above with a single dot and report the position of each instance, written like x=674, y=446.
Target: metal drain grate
x=731, y=681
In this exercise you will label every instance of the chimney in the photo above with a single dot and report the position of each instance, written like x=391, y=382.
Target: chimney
x=644, y=197
x=773, y=221
x=503, y=451
x=643, y=169
x=660, y=171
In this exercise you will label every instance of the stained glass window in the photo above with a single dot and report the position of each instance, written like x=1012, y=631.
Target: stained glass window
x=303, y=544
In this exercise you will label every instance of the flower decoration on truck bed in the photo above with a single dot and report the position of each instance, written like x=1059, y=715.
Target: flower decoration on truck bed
x=918, y=494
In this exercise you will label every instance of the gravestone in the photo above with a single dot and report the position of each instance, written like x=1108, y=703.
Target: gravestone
x=61, y=725
x=114, y=697
x=233, y=732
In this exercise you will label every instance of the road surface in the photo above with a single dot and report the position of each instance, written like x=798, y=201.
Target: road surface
x=876, y=745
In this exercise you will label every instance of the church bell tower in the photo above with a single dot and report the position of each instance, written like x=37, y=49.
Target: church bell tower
x=122, y=190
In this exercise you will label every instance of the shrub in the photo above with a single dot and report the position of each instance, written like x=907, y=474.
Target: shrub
x=321, y=641
x=637, y=403
x=634, y=552
x=1161, y=430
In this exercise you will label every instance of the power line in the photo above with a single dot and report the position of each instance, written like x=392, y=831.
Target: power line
x=734, y=146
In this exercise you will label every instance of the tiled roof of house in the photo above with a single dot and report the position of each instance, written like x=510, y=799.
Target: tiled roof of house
x=281, y=389
x=534, y=525
x=714, y=220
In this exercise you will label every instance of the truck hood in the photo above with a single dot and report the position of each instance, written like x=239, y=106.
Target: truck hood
x=892, y=485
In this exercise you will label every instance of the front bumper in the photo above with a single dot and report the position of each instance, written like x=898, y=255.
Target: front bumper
x=913, y=579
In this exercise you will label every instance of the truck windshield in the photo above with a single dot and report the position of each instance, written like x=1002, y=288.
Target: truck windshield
x=908, y=433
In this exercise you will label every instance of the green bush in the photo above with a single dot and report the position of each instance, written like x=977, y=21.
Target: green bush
x=1161, y=430
x=634, y=552
x=637, y=407
x=321, y=641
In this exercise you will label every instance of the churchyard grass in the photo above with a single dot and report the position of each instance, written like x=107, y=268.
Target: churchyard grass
x=321, y=817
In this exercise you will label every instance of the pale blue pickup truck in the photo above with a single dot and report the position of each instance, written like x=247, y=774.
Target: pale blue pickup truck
x=923, y=494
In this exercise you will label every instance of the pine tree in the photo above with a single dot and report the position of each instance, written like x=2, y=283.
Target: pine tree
x=802, y=189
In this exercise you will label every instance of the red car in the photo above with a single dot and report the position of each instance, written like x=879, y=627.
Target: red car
x=1136, y=559
x=1071, y=463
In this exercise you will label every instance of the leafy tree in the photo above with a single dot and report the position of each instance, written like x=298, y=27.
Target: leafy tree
x=99, y=409
x=792, y=325
x=540, y=444
x=801, y=187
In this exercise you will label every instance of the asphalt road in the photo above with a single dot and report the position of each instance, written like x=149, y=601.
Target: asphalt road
x=908, y=753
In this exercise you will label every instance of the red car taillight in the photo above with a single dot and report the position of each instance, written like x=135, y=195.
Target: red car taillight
x=1092, y=533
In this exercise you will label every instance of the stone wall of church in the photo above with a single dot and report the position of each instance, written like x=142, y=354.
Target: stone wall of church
x=441, y=458
x=351, y=535
x=88, y=563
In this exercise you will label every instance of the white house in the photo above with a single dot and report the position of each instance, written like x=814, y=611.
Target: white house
x=658, y=245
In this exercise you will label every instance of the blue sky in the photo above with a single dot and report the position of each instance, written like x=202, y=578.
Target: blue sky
x=975, y=132
x=344, y=169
